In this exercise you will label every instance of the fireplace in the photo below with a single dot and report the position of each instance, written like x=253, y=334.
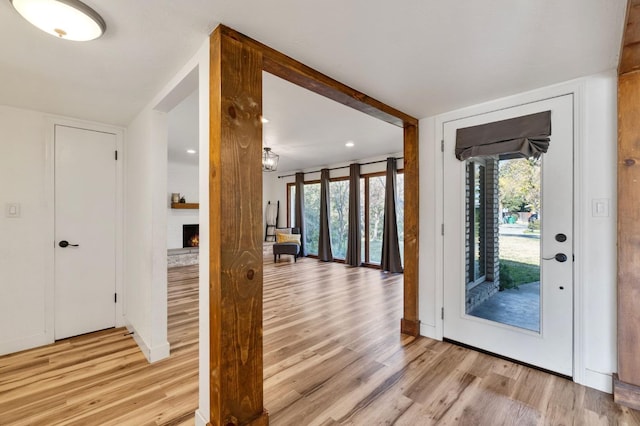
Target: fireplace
x=190, y=235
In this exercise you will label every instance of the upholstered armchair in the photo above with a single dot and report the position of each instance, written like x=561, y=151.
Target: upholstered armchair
x=287, y=242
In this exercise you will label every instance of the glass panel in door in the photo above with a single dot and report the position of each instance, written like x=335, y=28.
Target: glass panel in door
x=503, y=241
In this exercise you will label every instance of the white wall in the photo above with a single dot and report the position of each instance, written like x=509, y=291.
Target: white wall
x=182, y=178
x=24, y=251
x=595, y=237
x=142, y=224
x=27, y=250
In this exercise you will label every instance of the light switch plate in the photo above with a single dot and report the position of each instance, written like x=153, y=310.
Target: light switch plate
x=600, y=207
x=12, y=210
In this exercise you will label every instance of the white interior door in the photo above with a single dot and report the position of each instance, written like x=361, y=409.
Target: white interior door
x=546, y=340
x=85, y=221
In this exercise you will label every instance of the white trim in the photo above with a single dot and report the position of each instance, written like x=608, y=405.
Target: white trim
x=577, y=89
x=50, y=122
x=200, y=419
x=152, y=353
x=597, y=380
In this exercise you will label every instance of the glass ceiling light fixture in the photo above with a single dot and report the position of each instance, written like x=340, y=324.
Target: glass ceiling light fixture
x=269, y=160
x=67, y=19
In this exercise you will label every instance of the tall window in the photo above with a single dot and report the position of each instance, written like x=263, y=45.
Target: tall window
x=375, y=206
x=339, y=217
x=372, y=193
x=312, y=216
x=400, y=212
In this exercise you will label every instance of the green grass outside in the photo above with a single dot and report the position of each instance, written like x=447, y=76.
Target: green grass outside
x=519, y=260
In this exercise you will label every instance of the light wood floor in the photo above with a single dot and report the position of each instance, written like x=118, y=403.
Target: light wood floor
x=333, y=355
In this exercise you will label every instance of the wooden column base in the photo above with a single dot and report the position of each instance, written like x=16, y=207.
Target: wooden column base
x=410, y=327
x=625, y=393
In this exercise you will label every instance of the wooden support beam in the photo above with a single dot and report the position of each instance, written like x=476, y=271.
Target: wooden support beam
x=235, y=217
x=410, y=323
x=626, y=384
x=295, y=72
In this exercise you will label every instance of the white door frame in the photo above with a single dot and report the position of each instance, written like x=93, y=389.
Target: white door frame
x=49, y=188
x=577, y=89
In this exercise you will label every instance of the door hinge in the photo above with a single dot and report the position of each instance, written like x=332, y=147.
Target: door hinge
x=442, y=229
x=115, y=297
x=442, y=313
x=116, y=155
x=442, y=145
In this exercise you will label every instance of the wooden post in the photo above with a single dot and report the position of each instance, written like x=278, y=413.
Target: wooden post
x=235, y=215
x=626, y=384
x=409, y=324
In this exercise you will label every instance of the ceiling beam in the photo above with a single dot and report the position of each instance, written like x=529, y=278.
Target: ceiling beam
x=295, y=72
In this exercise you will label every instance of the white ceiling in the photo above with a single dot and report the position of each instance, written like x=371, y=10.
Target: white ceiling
x=421, y=56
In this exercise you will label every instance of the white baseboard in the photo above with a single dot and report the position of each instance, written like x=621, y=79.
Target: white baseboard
x=159, y=352
x=601, y=381
x=429, y=331
x=152, y=353
x=24, y=343
x=200, y=419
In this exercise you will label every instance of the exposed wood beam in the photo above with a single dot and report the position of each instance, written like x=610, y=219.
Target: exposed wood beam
x=235, y=214
x=289, y=69
x=235, y=217
x=630, y=55
x=410, y=323
x=626, y=384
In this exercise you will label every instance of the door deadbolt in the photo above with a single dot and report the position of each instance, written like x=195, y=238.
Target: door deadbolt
x=561, y=238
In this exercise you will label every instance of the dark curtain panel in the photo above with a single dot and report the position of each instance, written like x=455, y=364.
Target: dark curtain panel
x=390, y=246
x=299, y=206
x=354, y=245
x=520, y=137
x=324, y=239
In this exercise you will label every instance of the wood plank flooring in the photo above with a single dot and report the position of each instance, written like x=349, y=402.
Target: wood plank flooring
x=332, y=354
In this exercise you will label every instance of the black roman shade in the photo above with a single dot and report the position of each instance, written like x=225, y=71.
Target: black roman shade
x=520, y=137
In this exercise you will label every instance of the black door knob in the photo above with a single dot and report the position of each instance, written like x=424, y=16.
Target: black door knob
x=561, y=257
x=65, y=243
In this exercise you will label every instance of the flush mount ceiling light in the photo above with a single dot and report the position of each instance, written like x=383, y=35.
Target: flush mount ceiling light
x=349, y=144
x=264, y=120
x=67, y=19
x=269, y=160
x=191, y=151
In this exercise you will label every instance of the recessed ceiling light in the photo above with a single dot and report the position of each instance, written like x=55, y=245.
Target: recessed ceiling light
x=67, y=19
x=264, y=120
x=349, y=144
x=191, y=151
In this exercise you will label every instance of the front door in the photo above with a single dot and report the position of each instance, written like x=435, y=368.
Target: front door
x=508, y=244
x=85, y=225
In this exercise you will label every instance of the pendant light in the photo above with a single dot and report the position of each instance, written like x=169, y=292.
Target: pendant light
x=269, y=160
x=66, y=19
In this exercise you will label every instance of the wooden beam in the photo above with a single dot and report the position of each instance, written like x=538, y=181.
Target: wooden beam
x=628, y=234
x=410, y=323
x=295, y=72
x=237, y=62
x=235, y=217
x=626, y=384
x=630, y=55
